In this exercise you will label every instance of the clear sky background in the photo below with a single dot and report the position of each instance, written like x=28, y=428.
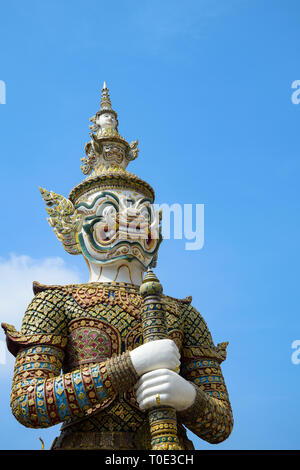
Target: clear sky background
x=205, y=85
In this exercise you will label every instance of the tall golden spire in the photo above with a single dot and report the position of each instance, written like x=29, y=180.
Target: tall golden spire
x=105, y=103
x=107, y=150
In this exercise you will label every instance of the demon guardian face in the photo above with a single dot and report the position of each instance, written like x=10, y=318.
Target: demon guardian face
x=119, y=224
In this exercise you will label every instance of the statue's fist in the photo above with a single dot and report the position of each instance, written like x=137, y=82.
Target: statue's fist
x=159, y=354
x=163, y=387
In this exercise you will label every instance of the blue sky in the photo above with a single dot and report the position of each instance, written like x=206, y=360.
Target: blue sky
x=206, y=88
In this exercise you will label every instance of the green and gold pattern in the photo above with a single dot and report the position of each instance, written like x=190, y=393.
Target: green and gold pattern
x=163, y=420
x=62, y=330
x=41, y=397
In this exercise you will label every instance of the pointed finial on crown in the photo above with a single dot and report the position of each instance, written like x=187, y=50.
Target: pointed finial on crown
x=105, y=99
x=107, y=150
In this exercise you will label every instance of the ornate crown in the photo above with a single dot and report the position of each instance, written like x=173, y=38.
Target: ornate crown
x=107, y=157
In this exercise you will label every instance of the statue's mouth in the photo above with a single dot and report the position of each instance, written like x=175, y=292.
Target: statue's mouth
x=128, y=227
x=107, y=234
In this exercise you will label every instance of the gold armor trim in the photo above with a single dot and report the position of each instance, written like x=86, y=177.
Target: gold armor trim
x=16, y=341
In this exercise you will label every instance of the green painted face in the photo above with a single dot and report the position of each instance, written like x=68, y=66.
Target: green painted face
x=119, y=225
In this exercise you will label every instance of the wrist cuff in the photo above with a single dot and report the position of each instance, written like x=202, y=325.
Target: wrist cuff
x=121, y=372
x=197, y=408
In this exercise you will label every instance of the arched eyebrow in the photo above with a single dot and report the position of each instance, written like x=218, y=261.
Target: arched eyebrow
x=100, y=196
x=145, y=199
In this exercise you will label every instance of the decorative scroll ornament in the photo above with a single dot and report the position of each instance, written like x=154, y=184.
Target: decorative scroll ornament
x=64, y=219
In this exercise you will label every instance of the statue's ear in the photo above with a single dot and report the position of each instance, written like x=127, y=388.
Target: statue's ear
x=64, y=219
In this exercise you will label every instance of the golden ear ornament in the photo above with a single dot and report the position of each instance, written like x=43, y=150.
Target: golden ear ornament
x=64, y=219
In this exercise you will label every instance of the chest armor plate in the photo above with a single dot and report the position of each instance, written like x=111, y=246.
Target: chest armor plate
x=105, y=321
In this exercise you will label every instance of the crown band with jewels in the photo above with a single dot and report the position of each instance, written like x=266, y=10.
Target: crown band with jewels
x=112, y=179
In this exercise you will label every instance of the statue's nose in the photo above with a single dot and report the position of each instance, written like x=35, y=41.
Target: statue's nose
x=132, y=214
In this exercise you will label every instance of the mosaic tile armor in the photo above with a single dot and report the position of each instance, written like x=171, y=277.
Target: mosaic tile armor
x=73, y=367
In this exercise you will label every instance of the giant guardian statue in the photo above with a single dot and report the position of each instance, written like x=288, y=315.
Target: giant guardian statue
x=119, y=363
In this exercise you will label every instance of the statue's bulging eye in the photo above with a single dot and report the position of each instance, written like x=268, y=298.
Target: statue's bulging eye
x=145, y=213
x=104, y=233
x=149, y=242
x=108, y=214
